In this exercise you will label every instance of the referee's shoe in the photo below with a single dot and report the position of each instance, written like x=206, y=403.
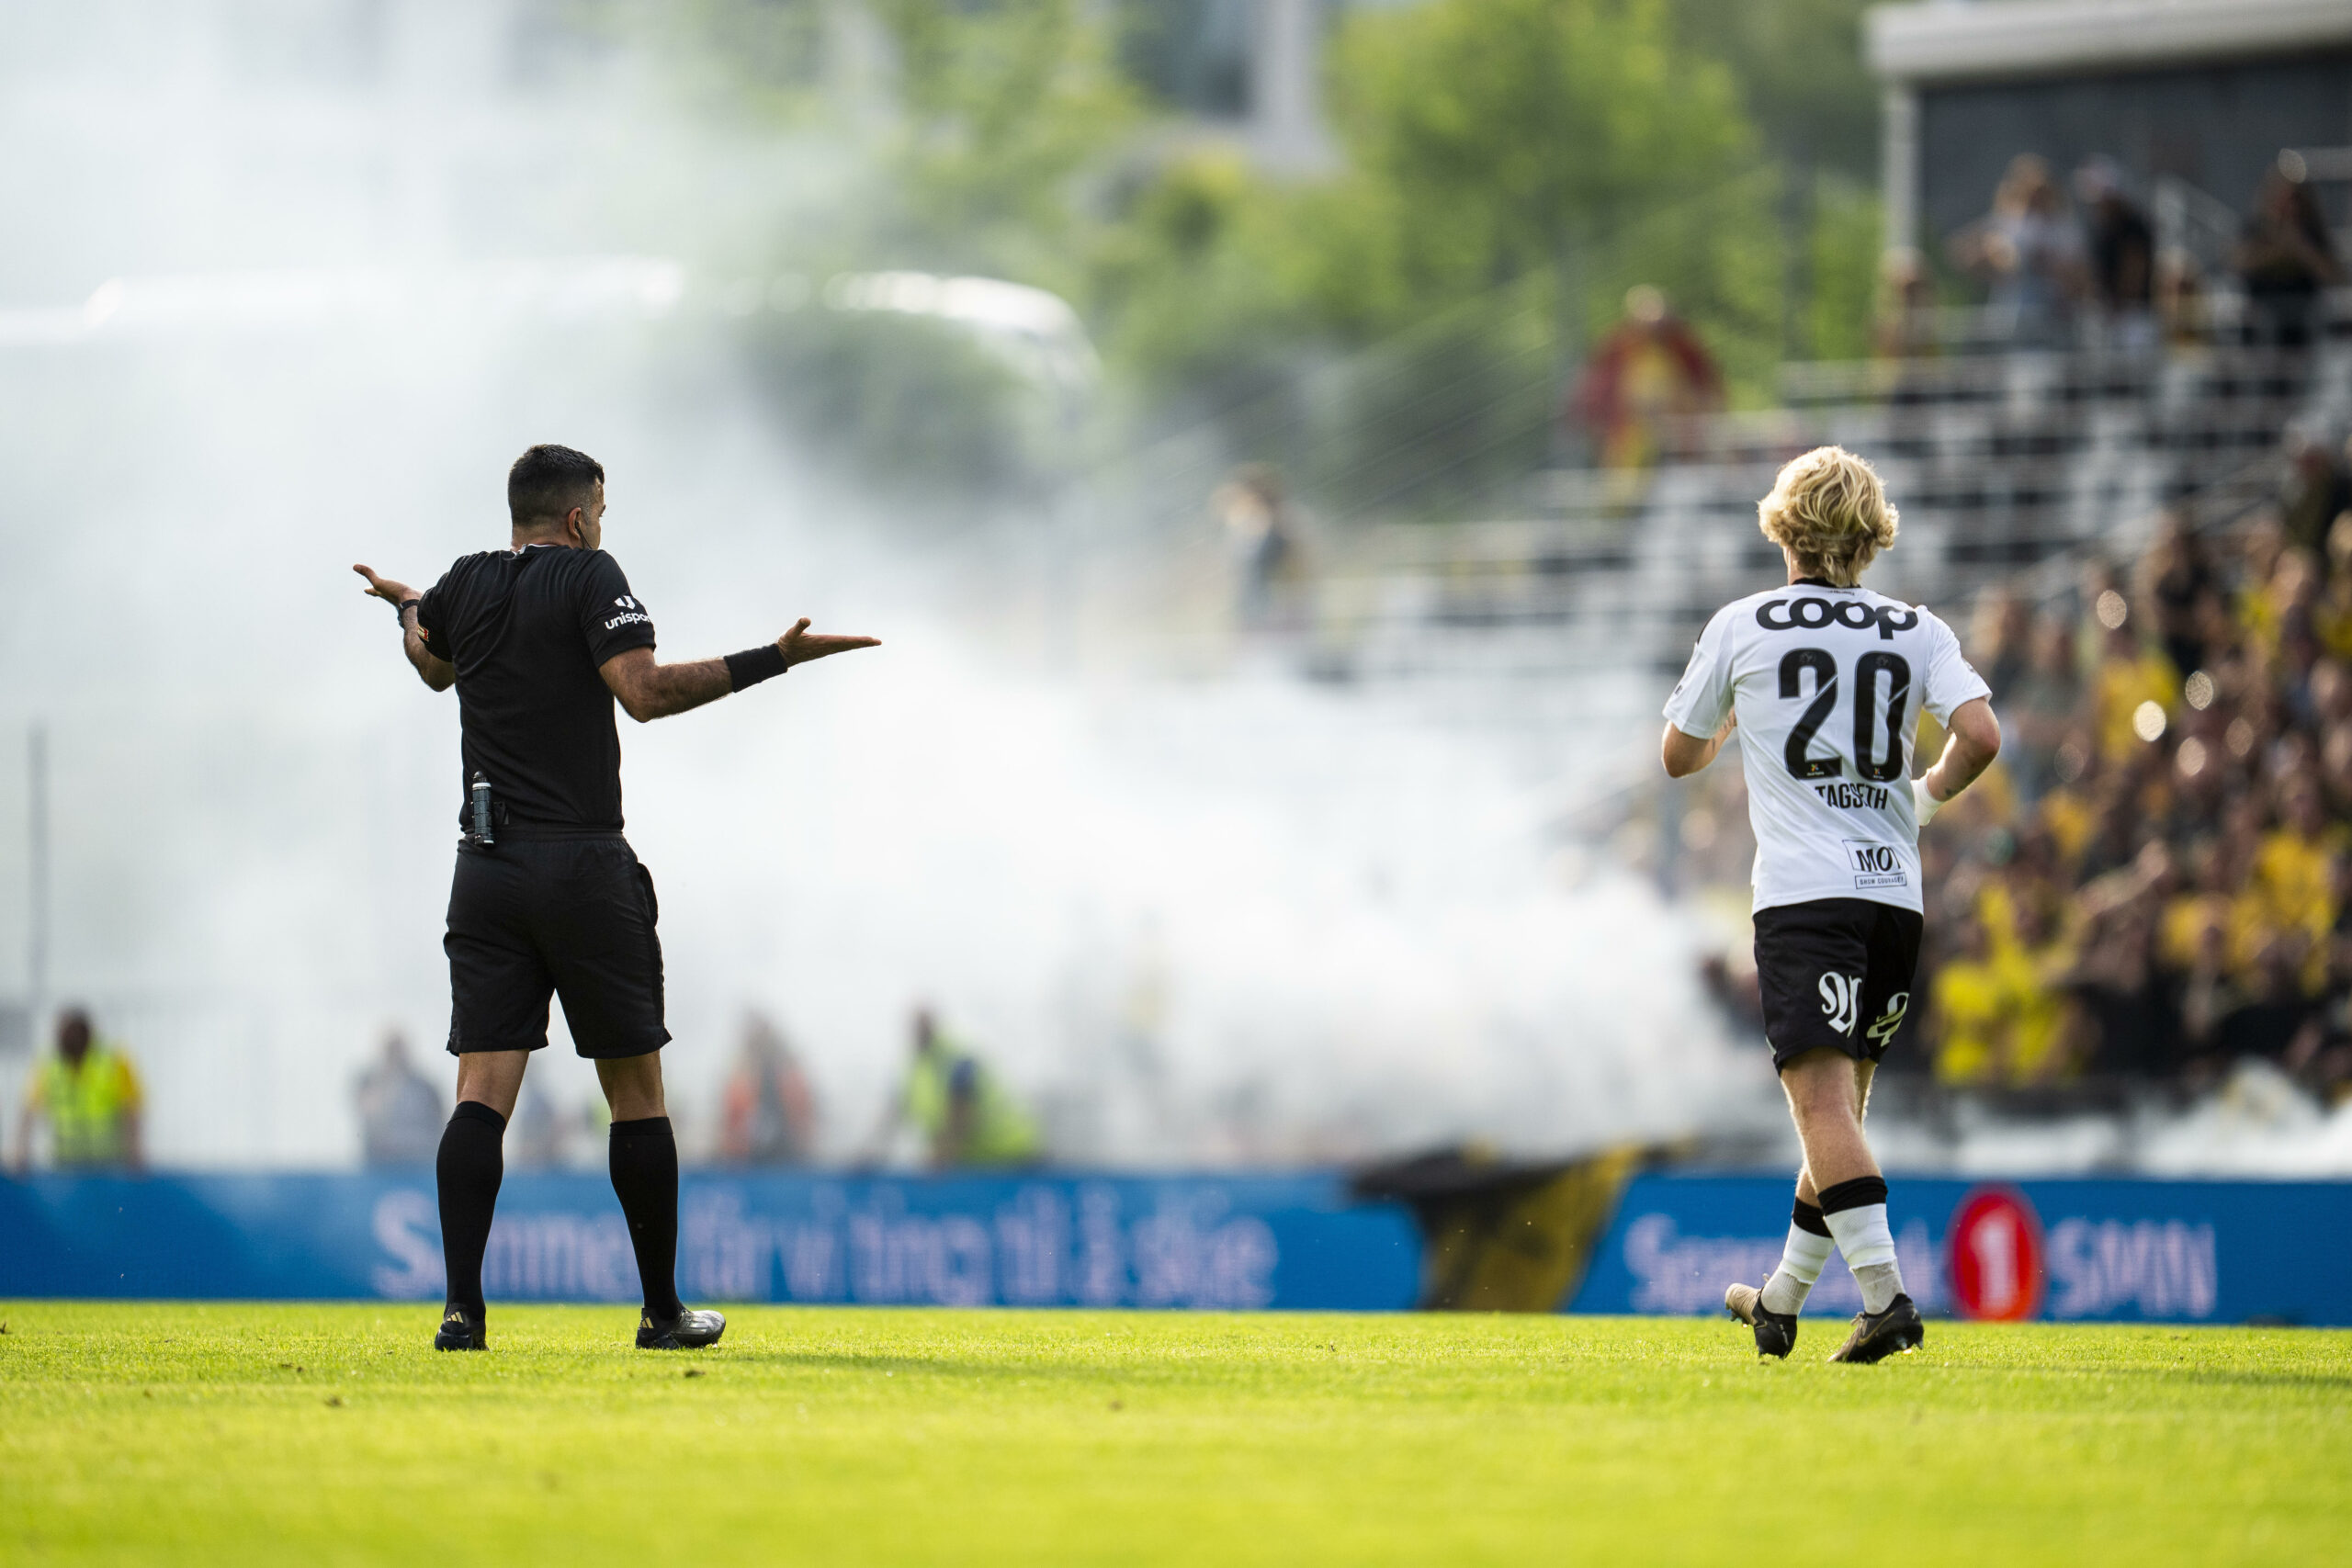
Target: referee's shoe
x=460, y=1331
x=690, y=1330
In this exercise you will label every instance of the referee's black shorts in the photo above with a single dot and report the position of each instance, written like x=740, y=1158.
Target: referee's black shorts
x=1835, y=974
x=571, y=917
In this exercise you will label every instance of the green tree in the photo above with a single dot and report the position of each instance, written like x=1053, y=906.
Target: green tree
x=1004, y=108
x=1799, y=70
x=1511, y=167
x=1509, y=135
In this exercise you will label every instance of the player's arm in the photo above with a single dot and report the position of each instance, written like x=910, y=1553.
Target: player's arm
x=1973, y=741
x=1687, y=754
x=649, y=690
x=435, y=672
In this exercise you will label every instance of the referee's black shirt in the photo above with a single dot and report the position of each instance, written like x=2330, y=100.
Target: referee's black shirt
x=527, y=630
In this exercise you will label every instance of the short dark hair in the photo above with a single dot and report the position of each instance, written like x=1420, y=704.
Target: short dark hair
x=548, y=482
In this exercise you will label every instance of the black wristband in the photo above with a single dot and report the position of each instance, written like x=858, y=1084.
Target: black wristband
x=402, y=605
x=754, y=665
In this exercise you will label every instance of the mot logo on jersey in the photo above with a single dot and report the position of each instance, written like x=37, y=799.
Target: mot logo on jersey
x=1875, y=865
x=1811, y=614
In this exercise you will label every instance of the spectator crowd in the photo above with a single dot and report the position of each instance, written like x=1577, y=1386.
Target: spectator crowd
x=2095, y=271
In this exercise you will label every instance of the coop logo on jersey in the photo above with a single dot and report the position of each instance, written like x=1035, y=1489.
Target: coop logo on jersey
x=1811, y=614
x=1842, y=1000
x=1876, y=865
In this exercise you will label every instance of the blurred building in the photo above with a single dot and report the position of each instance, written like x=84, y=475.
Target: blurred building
x=1249, y=67
x=2202, y=92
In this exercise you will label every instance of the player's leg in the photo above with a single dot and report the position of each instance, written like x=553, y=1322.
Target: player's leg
x=1809, y=959
x=607, y=959
x=1857, y=1207
x=498, y=1015
x=1809, y=1244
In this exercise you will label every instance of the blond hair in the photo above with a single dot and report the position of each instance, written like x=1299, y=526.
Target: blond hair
x=1830, y=510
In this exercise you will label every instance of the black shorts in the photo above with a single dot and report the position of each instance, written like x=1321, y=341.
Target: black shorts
x=571, y=917
x=1836, y=973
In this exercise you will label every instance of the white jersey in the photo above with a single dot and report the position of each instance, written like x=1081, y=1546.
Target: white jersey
x=1828, y=684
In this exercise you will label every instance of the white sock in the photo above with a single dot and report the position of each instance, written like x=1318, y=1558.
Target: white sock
x=1869, y=1245
x=1803, y=1258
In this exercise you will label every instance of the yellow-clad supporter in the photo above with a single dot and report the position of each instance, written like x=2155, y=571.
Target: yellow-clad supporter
x=2290, y=892
x=1970, y=1018
x=2130, y=677
x=2287, y=597
x=2067, y=815
x=2004, y=1017
x=2204, y=907
x=2260, y=549
x=2332, y=612
x=88, y=1094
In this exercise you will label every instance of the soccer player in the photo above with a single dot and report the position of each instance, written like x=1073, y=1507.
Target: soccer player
x=1824, y=681
x=541, y=639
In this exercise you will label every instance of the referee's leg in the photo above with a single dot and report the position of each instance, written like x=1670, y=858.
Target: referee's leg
x=644, y=1157
x=498, y=1016
x=601, y=946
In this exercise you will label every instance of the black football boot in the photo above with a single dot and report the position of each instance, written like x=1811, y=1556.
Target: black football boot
x=1878, y=1334
x=1776, y=1331
x=460, y=1332
x=690, y=1330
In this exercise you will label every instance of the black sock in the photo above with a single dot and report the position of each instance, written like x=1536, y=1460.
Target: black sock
x=645, y=1177
x=472, y=1162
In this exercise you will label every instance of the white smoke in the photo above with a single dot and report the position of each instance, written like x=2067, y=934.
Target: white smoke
x=1232, y=918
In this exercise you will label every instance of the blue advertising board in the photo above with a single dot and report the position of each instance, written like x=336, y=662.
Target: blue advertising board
x=1288, y=1241
x=2063, y=1249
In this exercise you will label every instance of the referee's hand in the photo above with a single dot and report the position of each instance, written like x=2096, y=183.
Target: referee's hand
x=800, y=645
x=396, y=593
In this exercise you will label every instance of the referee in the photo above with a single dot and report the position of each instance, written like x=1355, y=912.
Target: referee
x=540, y=638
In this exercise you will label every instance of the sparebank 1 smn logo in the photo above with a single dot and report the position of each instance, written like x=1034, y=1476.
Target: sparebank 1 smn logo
x=1996, y=1248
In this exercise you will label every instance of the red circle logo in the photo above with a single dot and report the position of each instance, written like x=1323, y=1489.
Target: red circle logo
x=1994, y=1247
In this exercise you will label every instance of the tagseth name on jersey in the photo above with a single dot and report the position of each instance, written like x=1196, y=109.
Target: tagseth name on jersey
x=1828, y=684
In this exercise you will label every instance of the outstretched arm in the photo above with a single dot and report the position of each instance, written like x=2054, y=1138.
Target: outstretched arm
x=649, y=690
x=434, y=670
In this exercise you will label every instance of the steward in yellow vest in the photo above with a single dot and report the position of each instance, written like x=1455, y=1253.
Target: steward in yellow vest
x=90, y=1096
x=963, y=1112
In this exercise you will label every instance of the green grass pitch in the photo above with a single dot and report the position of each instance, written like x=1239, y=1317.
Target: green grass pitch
x=235, y=1432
